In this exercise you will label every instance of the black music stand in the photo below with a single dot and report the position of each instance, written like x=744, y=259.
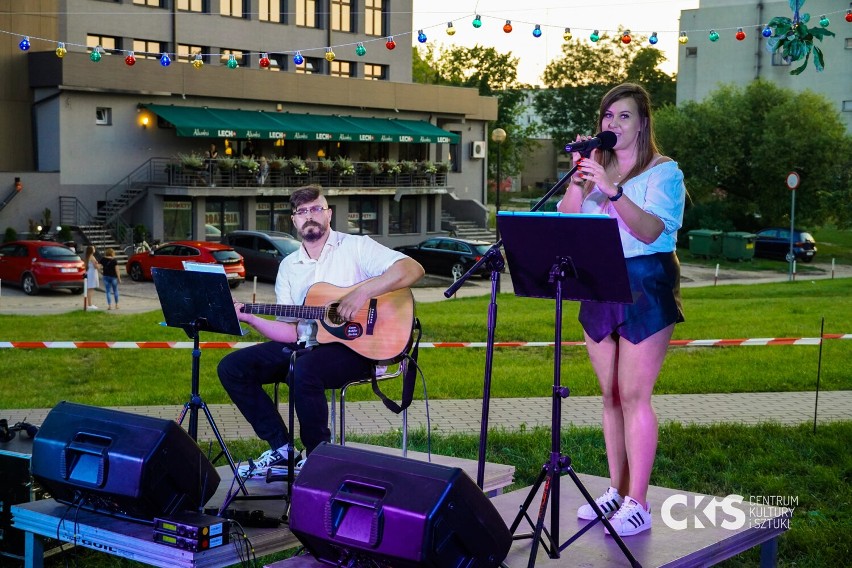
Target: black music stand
x=199, y=301
x=582, y=260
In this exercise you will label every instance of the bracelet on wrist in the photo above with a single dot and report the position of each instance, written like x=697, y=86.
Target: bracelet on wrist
x=617, y=195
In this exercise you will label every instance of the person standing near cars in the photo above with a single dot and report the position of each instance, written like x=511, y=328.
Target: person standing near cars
x=627, y=343
x=112, y=277
x=92, y=266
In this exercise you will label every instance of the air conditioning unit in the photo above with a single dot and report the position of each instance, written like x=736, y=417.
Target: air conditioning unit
x=478, y=149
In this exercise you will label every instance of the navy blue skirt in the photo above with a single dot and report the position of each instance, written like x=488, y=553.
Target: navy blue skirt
x=655, y=285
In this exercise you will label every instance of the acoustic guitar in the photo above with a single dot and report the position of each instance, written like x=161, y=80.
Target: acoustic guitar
x=380, y=331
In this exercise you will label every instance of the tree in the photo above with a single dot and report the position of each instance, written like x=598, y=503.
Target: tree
x=737, y=146
x=493, y=74
x=578, y=80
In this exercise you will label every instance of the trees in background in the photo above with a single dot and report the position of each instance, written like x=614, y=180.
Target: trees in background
x=737, y=146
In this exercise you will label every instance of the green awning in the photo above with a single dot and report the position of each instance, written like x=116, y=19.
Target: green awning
x=204, y=122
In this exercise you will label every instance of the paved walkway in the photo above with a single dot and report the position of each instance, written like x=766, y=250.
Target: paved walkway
x=512, y=414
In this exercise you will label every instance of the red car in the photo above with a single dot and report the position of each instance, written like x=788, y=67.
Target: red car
x=173, y=255
x=34, y=265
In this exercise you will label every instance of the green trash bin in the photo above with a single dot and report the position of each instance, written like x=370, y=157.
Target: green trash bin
x=738, y=245
x=705, y=242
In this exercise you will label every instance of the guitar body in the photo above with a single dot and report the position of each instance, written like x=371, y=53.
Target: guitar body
x=381, y=330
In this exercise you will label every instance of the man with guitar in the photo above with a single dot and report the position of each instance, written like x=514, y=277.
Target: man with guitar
x=342, y=295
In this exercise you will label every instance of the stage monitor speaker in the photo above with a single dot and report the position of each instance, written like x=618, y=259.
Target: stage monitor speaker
x=123, y=464
x=354, y=507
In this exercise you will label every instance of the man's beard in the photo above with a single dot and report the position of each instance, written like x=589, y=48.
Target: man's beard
x=313, y=235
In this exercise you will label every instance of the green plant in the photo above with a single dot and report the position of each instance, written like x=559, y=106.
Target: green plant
x=10, y=235
x=325, y=164
x=345, y=166
x=373, y=167
x=248, y=163
x=191, y=161
x=277, y=163
x=298, y=165
x=428, y=167
x=795, y=40
x=442, y=167
x=407, y=166
x=64, y=234
x=226, y=164
x=391, y=167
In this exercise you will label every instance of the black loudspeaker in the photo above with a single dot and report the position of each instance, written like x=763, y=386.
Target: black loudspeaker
x=123, y=464
x=355, y=507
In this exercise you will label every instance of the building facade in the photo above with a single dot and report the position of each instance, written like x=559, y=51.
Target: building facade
x=272, y=83
x=704, y=65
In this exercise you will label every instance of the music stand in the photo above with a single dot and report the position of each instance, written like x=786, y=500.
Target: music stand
x=583, y=261
x=198, y=301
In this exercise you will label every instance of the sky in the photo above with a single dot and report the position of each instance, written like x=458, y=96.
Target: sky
x=582, y=16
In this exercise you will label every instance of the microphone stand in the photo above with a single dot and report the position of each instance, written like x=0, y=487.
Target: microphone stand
x=495, y=263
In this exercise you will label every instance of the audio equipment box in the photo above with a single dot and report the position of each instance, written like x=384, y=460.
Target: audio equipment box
x=192, y=531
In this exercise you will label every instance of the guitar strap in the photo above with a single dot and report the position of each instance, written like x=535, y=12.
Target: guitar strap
x=409, y=378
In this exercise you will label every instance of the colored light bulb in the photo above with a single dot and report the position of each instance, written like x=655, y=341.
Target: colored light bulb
x=130, y=60
x=360, y=50
x=329, y=55
x=595, y=36
x=625, y=37
x=165, y=60
x=96, y=54
x=198, y=62
x=298, y=59
x=451, y=31
x=713, y=36
x=537, y=31
x=653, y=39
x=390, y=43
x=421, y=37
x=477, y=22
x=683, y=39
x=60, y=50
x=823, y=21
x=567, y=35
x=740, y=35
x=849, y=16
x=232, y=62
x=264, y=60
x=25, y=44
x=766, y=32
x=507, y=27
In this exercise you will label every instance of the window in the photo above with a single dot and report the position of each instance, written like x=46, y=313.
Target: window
x=363, y=217
x=144, y=49
x=375, y=72
x=187, y=53
x=273, y=216
x=849, y=43
x=225, y=55
x=152, y=3
x=692, y=52
x=341, y=68
x=233, y=8
x=404, y=215
x=778, y=59
x=108, y=43
x=190, y=5
x=306, y=13
x=341, y=15
x=312, y=65
x=431, y=203
x=103, y=116
x=455, y=155
x=374, y=17
x=270, y=11
x=224, y=214
x=177, y=219
x=847, y=106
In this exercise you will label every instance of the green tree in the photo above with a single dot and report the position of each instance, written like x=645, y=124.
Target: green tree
x=737, y=146
x=578, y=79
x=493, y=74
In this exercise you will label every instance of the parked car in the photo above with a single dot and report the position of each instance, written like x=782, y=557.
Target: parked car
x=448, y=256
x=775, y=243
x=262, y=251
x=34, y=265
x=174, y=254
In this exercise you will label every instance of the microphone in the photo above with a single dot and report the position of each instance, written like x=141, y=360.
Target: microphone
x=603, y=140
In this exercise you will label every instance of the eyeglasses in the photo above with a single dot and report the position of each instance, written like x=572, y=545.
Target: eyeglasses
x=304, y=211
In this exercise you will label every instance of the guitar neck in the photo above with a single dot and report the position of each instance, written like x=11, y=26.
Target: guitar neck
x=299, y=312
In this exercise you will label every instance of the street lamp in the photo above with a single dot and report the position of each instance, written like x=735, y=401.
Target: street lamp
x=498, y=136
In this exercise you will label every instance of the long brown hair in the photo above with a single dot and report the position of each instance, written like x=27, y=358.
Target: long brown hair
x=645, y=142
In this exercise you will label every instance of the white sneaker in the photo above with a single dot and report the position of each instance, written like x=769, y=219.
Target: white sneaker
x=609, y=503
x=268, y=459
x=632, y=518
x=93, y=308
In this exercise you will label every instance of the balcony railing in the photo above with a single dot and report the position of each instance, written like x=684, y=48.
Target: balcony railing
x=173, y=172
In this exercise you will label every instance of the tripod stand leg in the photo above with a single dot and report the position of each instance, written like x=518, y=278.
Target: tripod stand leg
x=225, y=451
x=547, y=477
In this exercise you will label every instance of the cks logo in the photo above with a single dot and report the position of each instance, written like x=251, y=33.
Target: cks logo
x=676, y=512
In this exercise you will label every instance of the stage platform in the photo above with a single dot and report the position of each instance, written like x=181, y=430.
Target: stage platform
x=660, y=547
x=48, y=519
